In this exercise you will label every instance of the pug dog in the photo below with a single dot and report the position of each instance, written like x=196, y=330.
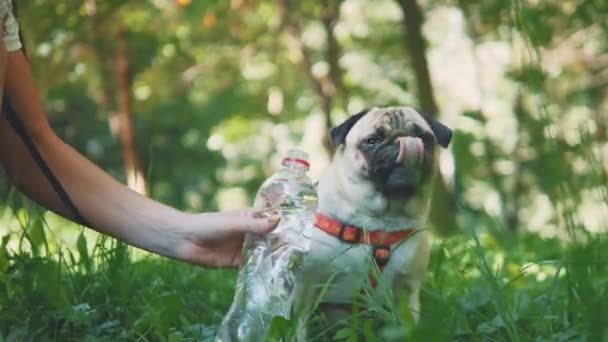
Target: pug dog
x=373, y=203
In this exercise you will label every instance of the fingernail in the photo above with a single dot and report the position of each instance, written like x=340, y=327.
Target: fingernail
x=258, y=214
x=274, y=218
x=267, y=214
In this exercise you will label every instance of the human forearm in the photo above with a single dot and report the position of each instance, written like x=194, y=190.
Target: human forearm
x=212, y=239
x=106, y=205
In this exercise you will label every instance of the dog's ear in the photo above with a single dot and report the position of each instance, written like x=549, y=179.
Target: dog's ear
x=338, y=134
x=441, y=131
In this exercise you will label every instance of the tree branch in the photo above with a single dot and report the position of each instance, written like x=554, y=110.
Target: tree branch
x=412, y=22
x=123, y=72
x=325, y=88
x=443, y=209
x=334, y=50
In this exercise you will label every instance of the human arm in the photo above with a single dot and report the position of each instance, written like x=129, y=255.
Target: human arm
x=212, y=239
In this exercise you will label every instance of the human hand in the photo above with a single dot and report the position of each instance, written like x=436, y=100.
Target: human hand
x=216, y=239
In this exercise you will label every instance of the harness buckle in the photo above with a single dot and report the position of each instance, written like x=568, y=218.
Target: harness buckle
x=349, y=234
x=381, y=254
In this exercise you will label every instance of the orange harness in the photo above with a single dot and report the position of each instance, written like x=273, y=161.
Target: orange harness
x=380, y=241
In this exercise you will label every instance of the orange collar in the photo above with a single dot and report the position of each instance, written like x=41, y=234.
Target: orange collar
x=380, y=241
x=354, y=234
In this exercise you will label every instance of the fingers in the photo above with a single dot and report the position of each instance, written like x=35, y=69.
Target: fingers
x=222, y=225
x=251, y=221
x=220, y=244
x=202, y=256
x=240, y=212
x=257, y=225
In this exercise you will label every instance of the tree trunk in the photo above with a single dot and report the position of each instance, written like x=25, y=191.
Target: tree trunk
x=412, y=22
x=124, y=83
x=325, y=88
x=336, y=74
x=115, y=96
x=443, y=209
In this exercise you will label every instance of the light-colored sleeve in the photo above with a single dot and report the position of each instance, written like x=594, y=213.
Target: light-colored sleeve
x=11, y=28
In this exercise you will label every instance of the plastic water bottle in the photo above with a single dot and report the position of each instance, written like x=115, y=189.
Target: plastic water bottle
x=272, y=263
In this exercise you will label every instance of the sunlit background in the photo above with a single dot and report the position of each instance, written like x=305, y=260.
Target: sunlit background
x=221, y=90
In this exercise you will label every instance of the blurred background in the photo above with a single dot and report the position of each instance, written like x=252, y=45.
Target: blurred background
x=194, y=102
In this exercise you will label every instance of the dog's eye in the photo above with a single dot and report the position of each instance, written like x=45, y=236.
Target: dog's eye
x=373, y=140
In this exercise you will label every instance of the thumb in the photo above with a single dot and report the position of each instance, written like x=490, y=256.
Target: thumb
x=250, y=224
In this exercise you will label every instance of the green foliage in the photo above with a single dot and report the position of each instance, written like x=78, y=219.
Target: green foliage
x=108, y=296
x=478, y=288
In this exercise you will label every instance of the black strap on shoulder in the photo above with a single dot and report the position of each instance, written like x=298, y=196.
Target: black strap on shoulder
x=18, y=126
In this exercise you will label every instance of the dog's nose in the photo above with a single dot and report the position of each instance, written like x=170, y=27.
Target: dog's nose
x=411, y=150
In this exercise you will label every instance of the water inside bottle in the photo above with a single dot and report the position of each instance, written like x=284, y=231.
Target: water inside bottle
x=272, y=263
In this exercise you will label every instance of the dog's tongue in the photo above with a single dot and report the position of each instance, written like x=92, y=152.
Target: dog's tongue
x=411, y=150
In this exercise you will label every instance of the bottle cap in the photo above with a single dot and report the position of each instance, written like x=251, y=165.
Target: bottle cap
x=297, y=156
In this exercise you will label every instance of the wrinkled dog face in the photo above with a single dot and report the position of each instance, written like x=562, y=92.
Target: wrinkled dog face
x=392, y=147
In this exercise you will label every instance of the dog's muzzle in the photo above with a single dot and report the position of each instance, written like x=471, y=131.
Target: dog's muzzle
x=402, y=161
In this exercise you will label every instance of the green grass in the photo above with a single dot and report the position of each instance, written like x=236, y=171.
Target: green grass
x=480, y=286
x=111, y=298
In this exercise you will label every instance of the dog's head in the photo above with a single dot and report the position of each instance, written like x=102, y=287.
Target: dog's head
x=394, y=148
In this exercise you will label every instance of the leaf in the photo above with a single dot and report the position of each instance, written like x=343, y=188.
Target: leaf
x=35, y=235
x=81, y=245
x=345, y=334
x=393, y=332
x=568, y=335
x=171, y=307
x=279, y=326
x=486, y=328
x=22, y=217
x=368, y=332
x=48, y=282
x=405, y=313
x=4, y=260
x=175, y=336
